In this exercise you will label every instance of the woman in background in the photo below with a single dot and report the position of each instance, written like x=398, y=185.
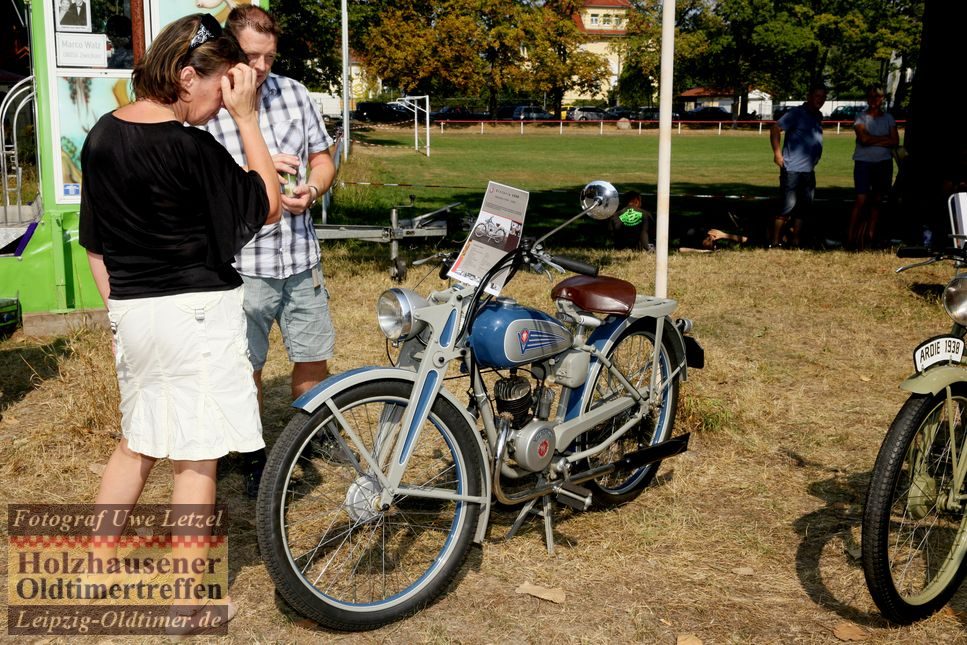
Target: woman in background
x=876, y=137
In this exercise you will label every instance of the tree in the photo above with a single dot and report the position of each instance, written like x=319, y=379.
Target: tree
x=781, y=46
x=555, y=61
x=447, y=45
x=309, y=49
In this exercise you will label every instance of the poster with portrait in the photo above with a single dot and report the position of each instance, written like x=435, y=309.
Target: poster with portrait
x=72, y=15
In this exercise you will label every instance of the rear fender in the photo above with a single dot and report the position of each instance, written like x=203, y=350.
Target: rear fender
x=603, y=338
x=935, y=379
x=312, y=400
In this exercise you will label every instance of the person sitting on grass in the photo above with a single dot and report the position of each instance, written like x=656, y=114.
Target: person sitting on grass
x=629, y=226
x=693, y=242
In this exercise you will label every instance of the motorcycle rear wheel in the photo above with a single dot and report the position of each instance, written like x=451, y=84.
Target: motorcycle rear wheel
x=334, y=555
x=914, y=535
x=633, y=353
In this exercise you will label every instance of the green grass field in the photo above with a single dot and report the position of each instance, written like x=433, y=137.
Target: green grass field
x=553, y=167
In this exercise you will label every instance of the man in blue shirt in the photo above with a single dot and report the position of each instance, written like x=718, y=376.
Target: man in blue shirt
x=797, y=159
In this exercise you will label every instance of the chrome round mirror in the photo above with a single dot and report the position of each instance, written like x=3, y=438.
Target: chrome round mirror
x=601, y=197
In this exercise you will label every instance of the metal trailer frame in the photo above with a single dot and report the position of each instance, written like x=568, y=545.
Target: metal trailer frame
x=436, y=223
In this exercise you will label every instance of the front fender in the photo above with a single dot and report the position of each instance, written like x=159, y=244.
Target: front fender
x=935, y=379
x=334, y=385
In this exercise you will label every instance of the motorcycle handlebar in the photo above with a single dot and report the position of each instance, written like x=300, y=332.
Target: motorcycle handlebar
x=575, y=266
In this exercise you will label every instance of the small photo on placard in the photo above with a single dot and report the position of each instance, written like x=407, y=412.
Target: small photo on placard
x=72, y=15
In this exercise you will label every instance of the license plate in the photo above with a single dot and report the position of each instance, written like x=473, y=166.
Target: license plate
x=942, y=349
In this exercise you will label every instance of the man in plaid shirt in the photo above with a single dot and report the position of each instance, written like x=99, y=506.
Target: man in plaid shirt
x=281, y=266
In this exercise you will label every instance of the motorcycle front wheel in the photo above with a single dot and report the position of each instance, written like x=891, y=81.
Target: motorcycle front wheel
x=914, y=536
x=336, y=555
x=634, y=354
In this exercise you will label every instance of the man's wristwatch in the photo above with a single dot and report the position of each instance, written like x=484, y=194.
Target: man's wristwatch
x=313, y=196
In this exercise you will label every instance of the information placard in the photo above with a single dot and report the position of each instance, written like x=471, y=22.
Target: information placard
x=496, y=232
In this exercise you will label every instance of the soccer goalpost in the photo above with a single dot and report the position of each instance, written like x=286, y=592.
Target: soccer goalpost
x=420, y=107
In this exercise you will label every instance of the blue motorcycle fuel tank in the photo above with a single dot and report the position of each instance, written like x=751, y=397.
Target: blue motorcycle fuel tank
x=506, y=334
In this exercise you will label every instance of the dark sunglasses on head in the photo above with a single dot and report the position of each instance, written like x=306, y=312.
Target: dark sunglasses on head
x=208, y=30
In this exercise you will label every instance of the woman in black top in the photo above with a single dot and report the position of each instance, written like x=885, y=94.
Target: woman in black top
x=164, y=208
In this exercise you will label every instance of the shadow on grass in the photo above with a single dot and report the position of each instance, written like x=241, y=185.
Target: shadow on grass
x=842, y=516
x=23, y=368
x=735, y=208
x=928, y=292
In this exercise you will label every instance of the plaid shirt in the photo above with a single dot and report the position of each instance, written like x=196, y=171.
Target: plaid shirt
x=291, y=125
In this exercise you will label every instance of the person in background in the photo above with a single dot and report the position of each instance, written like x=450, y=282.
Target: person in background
x=876, y=138
x=629, y=226
x=282, y=267
x=164, y=209
x=118, y=30
x=797, y=159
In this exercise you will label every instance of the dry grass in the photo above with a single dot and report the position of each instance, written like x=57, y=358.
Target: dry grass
x=804, y=353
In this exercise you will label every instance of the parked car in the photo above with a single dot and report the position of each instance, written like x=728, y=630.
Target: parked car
x=709, y=114
x=586, y=114
x=620, y=112
x=531, y=113
x=846, y=112
x=372, y=112
x=453, y=113
x=652, y=114
x=505, y=112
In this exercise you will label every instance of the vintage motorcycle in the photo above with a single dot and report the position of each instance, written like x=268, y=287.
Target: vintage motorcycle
x=914, y=522
x=374, y=492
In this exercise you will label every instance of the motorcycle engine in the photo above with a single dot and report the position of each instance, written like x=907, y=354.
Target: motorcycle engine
x=532, y=442
x=513, y=395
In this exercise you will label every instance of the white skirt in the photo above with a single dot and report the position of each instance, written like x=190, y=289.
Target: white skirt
x=187, y=391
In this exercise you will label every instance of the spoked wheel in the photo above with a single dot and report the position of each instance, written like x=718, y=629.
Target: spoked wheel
x=914, y=536
x=335, y=553
x=633, y=354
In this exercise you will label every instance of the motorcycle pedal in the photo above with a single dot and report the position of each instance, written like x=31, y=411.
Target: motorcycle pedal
x=575, y=496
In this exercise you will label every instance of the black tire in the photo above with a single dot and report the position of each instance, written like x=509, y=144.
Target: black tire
x=913, y=536
x=336, y=558
x=634, y=353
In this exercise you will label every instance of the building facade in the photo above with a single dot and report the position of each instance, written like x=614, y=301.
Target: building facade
x=604, y=22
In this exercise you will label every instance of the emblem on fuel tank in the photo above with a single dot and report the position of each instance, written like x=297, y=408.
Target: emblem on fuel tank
x=536, y=339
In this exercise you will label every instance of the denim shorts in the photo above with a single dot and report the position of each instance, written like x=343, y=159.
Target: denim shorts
x=302, y=311
x=872, y=176
x=797, y=188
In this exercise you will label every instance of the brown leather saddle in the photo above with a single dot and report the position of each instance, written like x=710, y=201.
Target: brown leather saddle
x=602, y=295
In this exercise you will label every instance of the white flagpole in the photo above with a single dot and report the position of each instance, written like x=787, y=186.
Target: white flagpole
x=346, y=89
x=664, y=146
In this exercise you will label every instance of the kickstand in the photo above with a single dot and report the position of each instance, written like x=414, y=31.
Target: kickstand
x=547, y=513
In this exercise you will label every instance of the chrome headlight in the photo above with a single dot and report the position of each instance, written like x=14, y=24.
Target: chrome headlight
x=955, y=299
x=394, y=311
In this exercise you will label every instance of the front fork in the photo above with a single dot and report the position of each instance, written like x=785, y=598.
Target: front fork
x=437, y=356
